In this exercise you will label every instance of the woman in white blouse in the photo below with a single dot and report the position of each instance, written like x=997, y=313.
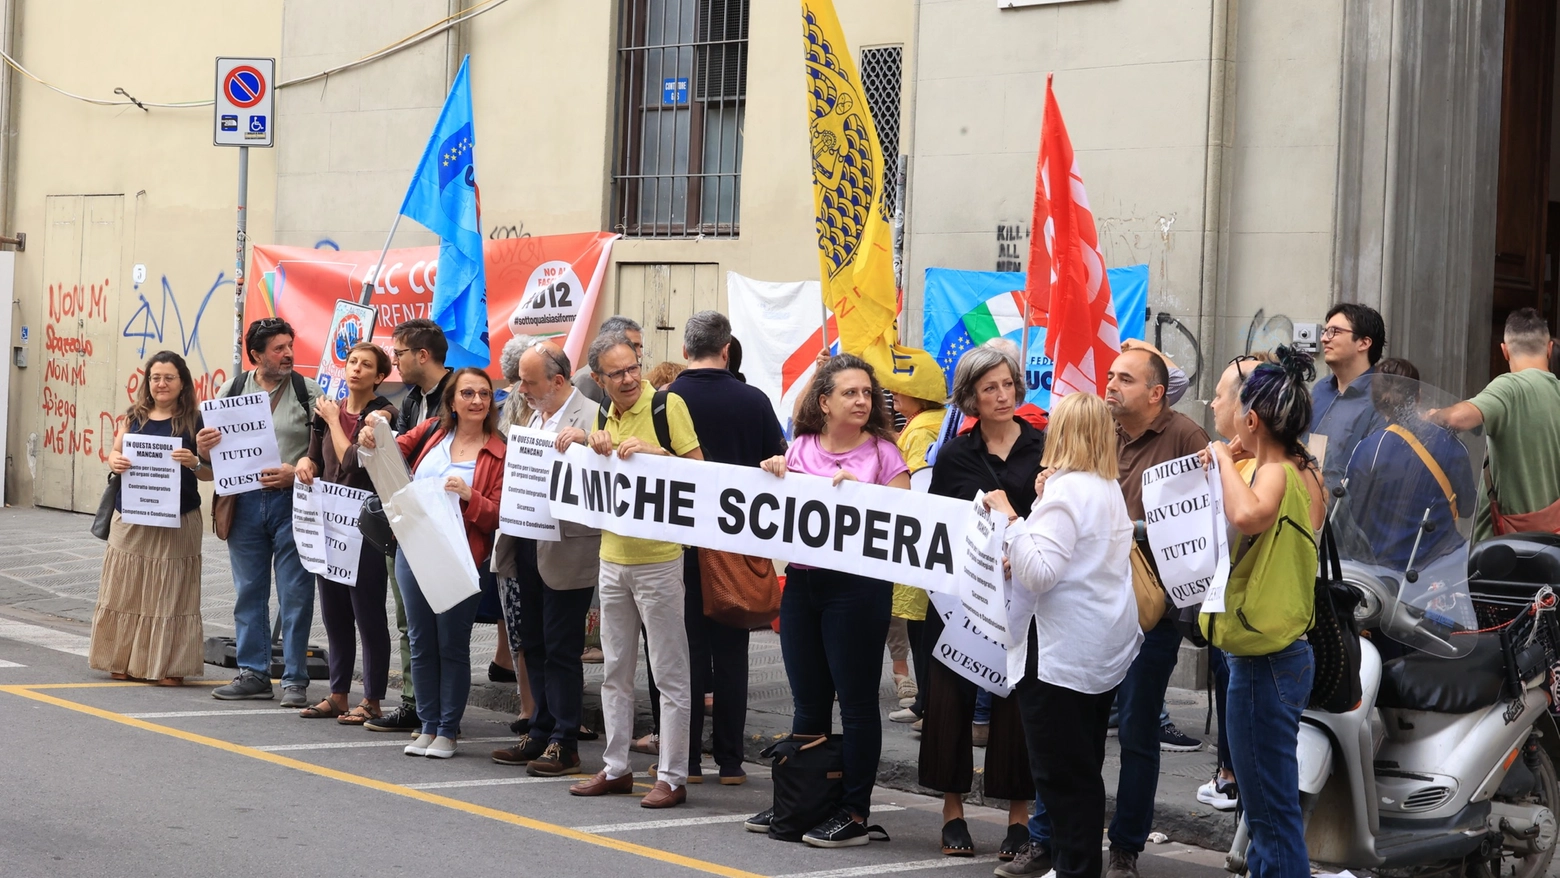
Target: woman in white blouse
x=1070, y=565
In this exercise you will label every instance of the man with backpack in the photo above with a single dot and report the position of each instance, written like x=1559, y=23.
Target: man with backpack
x=261, y=537
x=641, y=581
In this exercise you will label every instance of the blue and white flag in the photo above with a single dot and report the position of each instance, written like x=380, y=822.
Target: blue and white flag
x=964, y=309
x=443, y=197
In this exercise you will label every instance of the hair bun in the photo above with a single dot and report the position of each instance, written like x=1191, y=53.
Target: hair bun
x=1297, y=364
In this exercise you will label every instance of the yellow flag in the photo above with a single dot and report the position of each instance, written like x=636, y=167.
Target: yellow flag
x=855, y=242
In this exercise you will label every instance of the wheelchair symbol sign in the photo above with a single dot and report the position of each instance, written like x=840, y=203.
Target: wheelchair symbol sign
x=257, y=124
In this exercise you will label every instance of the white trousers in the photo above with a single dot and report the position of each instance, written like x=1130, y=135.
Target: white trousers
x=651, y=595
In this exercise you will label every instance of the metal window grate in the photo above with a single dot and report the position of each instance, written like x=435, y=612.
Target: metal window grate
x=881, y=70
x=682, y=89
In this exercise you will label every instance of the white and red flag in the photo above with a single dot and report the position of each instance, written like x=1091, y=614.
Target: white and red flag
x=1067, y=282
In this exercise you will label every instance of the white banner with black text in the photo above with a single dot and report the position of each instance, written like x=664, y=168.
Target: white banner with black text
x=869, y=530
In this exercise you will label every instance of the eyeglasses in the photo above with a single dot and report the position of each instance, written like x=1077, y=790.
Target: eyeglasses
x=163, y=379
x=268, y=322
x=468, y=394
x=620, y=374
x=1237, y=360
x=1333, y=332
x=399, y=351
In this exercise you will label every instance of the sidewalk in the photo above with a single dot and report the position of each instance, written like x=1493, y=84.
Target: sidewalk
x=53, y=566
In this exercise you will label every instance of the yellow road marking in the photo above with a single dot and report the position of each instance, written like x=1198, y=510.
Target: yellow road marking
x=112, y=684
x=26, y=691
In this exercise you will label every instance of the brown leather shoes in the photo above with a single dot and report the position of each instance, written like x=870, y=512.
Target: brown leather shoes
x=600, y=785
x=663, y=796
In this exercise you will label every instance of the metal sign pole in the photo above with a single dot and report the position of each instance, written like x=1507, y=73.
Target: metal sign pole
x=238, y=268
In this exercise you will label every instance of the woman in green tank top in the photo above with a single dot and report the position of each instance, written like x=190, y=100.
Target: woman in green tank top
x=1270, y=664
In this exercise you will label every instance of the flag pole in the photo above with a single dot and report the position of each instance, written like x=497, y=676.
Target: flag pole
x=825, y=308
x=373, y=276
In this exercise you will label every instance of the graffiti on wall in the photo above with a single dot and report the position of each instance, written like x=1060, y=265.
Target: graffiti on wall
x=163, y=326
x=68, y=350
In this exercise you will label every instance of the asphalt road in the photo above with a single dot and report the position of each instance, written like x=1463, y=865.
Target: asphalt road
x=103, y=778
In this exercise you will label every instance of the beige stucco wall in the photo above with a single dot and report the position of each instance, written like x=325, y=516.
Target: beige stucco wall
x=177, y=217
x=1133, y=81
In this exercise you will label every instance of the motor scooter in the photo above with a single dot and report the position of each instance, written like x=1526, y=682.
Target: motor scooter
x=1440, y=768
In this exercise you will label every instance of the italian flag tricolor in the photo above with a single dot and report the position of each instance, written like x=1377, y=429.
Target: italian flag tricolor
x=995, y=317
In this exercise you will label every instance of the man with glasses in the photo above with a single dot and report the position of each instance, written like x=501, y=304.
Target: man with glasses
x=418, y=347
x=261, y=538
x=583, y=382
x=556, y=581
x=641, y=582
x=1342, y=413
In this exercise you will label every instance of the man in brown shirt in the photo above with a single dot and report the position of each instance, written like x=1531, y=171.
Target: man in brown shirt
x=1148, y=433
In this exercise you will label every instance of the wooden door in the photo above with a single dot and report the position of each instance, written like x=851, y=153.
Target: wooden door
x=1522, y=187
x=81, y=264
x=662, y=296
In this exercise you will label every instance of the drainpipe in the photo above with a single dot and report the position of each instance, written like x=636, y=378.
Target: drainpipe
x=1220, y=59
x=8, y=16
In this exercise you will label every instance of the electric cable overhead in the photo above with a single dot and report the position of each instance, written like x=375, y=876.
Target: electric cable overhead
x=406, y=42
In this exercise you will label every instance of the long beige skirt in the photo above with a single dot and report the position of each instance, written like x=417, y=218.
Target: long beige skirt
x=147, y=622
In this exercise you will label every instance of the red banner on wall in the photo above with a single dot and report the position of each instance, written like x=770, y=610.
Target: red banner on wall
x=543, y=286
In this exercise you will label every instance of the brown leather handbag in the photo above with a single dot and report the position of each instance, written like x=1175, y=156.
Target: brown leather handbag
x=741, y=591
x=222, y=514
x=1546, y=520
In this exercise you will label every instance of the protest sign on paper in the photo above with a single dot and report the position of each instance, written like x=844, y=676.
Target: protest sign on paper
x=1213, y=600
x=1178, y=507
x=309, y=527
x=982, y=585
x=523, y=511
x=149, y=491
x=248, y=441
x=968, y=652
x=325, y=529
x=869, y=530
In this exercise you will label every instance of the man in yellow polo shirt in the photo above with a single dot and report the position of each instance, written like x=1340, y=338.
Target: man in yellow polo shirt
x=641, y=583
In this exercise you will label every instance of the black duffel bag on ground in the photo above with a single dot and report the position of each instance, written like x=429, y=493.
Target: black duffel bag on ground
x=809, y=782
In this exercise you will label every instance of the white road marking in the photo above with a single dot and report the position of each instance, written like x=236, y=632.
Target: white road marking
x=351, y=745
x=491, y=782
x=174, y=714
x=691, y=821
x=883, y=868
x=48, y=638
x=6, y=664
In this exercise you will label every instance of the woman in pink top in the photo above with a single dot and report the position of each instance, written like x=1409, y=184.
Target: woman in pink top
x=832, y=624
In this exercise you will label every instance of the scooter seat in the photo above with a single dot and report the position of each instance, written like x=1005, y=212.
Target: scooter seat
x=1419, y=681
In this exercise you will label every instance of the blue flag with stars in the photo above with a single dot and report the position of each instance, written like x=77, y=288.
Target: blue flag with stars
x=443, y=197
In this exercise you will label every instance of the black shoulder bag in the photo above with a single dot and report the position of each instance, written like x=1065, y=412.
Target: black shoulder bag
x=1335, y=642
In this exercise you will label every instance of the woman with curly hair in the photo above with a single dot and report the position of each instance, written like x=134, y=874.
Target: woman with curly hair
x=833, y=624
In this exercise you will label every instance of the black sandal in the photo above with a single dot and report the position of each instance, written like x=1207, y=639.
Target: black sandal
x=1017, y=837
x=956, y=841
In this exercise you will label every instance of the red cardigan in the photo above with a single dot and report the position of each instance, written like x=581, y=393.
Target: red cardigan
x=487, y=484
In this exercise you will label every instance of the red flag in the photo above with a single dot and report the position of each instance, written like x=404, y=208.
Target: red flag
x=1067, y=282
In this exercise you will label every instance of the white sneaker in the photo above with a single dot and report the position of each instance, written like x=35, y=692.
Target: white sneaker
x=441, y=748
x=903, y=715
x=1222, y=795
x=419, y=747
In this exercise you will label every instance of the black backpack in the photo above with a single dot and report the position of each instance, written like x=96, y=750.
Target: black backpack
x=663, y=428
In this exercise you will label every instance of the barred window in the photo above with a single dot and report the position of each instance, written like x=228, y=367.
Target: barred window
x=880, y=77
x=682, y=87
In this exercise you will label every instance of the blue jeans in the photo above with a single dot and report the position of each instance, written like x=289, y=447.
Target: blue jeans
x=832, y=628
x=441, y=653
x=1219, y=664
x=1139, y=702
x=262, y=537
x=982, y=708
x=1266, y=695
